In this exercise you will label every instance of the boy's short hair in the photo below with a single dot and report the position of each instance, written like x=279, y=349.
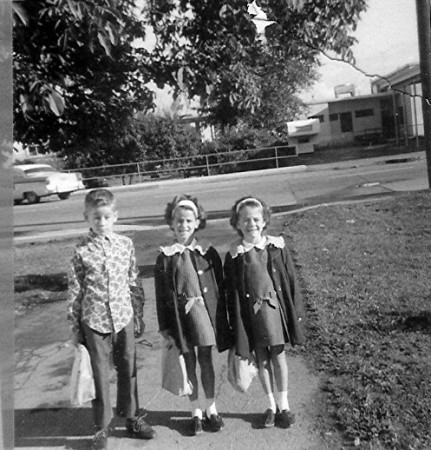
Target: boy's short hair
x=248, y=200
x=99, y=197
x=173, y=205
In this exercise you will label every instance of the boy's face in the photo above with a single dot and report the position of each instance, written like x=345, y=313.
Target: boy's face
x=184, y=224
x=101, y=219
x=251, y=223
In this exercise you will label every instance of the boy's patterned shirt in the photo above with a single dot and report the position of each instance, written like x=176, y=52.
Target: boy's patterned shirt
x=104, y=290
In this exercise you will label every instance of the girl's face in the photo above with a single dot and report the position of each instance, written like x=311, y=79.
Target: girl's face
x=251, y=223
x=184, y=224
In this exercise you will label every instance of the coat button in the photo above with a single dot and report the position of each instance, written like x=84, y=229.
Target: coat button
x=274, y=270
x=205, y=290
x=200, y=272
x=279, y=288
x=247, y=295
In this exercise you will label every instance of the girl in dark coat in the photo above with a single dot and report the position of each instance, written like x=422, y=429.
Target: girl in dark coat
x=190, y=297
x=264, y=302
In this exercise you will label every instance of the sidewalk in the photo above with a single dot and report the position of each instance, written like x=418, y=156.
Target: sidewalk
x=44, y=418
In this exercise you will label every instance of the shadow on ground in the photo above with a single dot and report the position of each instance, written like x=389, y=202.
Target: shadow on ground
x=72, y=427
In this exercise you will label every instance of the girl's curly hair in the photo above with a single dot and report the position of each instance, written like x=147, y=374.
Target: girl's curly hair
x=248, y=200
x=172, y=206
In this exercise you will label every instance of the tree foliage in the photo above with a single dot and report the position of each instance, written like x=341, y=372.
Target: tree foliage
x=215, y=54
x=164, y=138
x=145, y=137
x=77, y=76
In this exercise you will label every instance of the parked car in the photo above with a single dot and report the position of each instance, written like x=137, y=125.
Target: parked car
x=33, y=181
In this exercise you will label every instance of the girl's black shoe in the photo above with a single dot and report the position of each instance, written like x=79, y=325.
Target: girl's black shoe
x=100, y=440
x=285, y=419
x=214, y=422
x=269, y=420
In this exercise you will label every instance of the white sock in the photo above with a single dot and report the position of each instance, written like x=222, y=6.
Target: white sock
x=283, y=401
x=211, y=408
x=271, y=401
x=196, y=411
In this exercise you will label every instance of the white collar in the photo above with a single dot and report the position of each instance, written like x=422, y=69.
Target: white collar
x=241, y=247
x=179, y=248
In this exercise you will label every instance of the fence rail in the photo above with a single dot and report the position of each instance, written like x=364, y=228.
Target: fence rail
x=188, y=166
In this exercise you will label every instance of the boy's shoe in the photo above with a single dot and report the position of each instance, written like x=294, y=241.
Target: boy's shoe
x=214, y=422
x=269, y=419
x=196, y=426
x=139, y=429
x=285, y=419
x=100, y=440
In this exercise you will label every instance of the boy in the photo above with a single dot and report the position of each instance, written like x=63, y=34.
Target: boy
x=105, y=310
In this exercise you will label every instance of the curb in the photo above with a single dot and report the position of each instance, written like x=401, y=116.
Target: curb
x=350, y=164
x=203, y=179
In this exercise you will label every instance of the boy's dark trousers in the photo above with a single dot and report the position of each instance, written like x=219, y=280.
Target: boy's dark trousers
x=99, y=346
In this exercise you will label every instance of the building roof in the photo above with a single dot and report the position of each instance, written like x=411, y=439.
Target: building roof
x=405, y=75
x=322, y=105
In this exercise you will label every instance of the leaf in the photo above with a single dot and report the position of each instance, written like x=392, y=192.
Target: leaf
x=112, y=34
x=20, y=12
x=23, y=100
x=180, y=78
x=104, y=41
x=56, y=102
x=73, y=8
x=224, y=10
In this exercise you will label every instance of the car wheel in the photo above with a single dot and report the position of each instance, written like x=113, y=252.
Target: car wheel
x=64, y=195
x=32, y=197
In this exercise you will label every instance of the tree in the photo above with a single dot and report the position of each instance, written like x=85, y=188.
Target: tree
x=163, y=138
x=215, y=54
x=77, y=75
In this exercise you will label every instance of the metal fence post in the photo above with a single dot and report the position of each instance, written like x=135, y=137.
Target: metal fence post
x=208, y=165
x=139, y=173
x=276, y=157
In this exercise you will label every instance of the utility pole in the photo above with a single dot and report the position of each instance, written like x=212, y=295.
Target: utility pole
x=423, y=18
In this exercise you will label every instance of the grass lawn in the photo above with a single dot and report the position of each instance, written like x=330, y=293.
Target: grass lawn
x=365, y=269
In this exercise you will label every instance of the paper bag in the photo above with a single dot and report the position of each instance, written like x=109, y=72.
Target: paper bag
x=174, y=372
x=82, y=382
x=240, y=371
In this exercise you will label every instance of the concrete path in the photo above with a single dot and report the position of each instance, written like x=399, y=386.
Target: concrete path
x=44, y=418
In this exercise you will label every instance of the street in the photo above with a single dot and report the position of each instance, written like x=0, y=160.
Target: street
x=144, y=204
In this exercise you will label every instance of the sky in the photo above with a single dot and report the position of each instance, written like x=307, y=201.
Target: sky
x=387, y=39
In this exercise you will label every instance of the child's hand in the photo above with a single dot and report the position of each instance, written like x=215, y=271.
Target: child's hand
x=76, y=338
x=139, y=326
x=165, y=334
x=167, y=337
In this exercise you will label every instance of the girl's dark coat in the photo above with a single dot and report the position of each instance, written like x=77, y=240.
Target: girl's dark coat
x=210, y=271
x=282, y=271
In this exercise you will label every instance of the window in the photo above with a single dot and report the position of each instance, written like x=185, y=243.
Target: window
x=346, y=122
x=333, y=117
x=303, y=140
x=400, y=115
x=321, y=117
x=304, y=128
x=364, y=112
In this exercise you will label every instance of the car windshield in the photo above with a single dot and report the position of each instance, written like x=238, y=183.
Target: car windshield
x=34, y=170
